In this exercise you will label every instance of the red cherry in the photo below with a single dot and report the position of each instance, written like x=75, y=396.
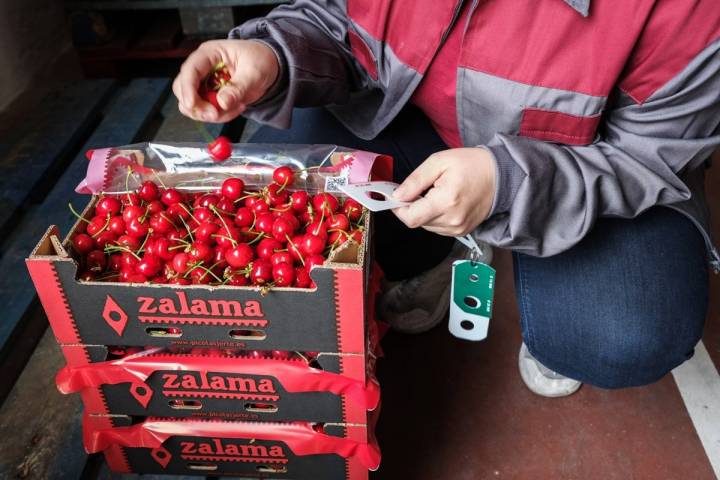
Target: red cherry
x=170, y=196
x=302, y=278
x=352, y=209
x=108, y=206
x=325, y=203
x=237, y=279
x=206, y=201
x=179, y=281
x=156, y=206
x=232, y=188
x=96, y=260
x=218, y=260
x=281, y=257
x=200, y=275
x=313, y=261
x=206, y=230
x=275, y=196
x=339, y=221
x=128, y=199
x=83, y=243
x=244, y=217
x=117, y=225
x=220, y=149
x=299, y=200
x=162, y=248
x=226, y=206
x=260, y=206
x=180, y=262
x=261, y=272
x=132, y=212
x=87, y=276
x=160, y=223
x=148, y=191
x=313, y=244
x=281, y=354
x=282, y=229
x=264, y=223
x=96, y=225
x=130, y=242
x=317, y=228
x=283, y=176
x=136, y=228
x=137, y=278
x=295, y=247
x=149, y=266
x=128, y=261
x=200, y=252
x=227, y=237
x=104, y=238
x=240, y=256
x=177, y=211
x=283, y=274
x=266, y=247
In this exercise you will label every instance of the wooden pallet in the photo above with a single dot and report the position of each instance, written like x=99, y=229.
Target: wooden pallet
x=41, y=163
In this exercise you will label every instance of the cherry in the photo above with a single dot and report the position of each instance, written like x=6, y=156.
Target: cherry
x=136, y=278
x=180, y=262
x=313, y=261
x=227, y=237
x=149, y=266
x=232, y=188
x=237, y=279
x=162, y=248
x=240, y=256
x=156, y=206
x=87, y=276
x=226, y=206
x=218, y=259
x=83, y=243
x=128, y=241
x=281, y=257
x=266, y=247
x=203, y=214
x=128, y=261
x=281, y=354
x=179, y=281
x=206, y=230
x=160, y=223
x=115, y=262
x=275, y=196
x=317, y=228
x=281, y=229
x=325, y=203
x=352, y=209
x=95, y=260
x=339, y=221
x=312, y=244
x=302, y=277
x=264, y=223
x=208, y=200
x=244, y=217
x=200, y=252
x=96, y=225
x=117, y=225
x=283, y=274
x=131, y=199
x=299, y=200
x=170, y=196
x=261, y=272
x=295, y=247
x=260, y=206
x=108, y=206
x=148, y=191
x=220, y=149
x=132, y=212
x=136, y=228
x=283, y=176
x=200, y=275
x=105, y=238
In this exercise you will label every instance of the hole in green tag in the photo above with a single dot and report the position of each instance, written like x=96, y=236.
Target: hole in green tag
x=467, y=324
x=471, y=302
x=474, y=278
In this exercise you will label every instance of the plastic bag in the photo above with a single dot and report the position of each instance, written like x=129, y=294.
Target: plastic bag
x=188, y=166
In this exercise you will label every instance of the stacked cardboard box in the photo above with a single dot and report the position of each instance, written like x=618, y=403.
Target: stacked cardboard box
x=220, y=380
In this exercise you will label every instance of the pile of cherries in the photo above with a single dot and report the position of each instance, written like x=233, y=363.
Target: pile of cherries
x=309, y=357
x=271, y=238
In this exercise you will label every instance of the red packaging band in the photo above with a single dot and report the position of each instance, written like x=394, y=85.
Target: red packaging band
x=300, y=437
x=294, y=375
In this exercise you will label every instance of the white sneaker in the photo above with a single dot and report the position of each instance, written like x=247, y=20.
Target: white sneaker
x=543, y=381
x=418, y=304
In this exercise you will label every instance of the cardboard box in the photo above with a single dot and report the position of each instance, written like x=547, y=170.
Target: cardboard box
x=301, y=451
x=216, y=384
x=330, y=318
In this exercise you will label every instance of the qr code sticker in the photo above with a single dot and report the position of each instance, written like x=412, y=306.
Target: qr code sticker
x=333, y=184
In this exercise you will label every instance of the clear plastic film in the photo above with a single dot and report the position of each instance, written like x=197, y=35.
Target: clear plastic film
x=189, y=167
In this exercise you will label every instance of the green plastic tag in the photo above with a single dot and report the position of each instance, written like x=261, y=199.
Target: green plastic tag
x=471, y=299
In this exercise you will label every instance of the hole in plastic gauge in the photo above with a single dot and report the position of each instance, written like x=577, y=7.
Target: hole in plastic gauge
x=208, y=467
x=173, y=332
x=161, y=454
x=474, y=277
x=141, y=391
x=379, y=196
x=271, y=469
x=261, y=407
x=185, y=404
x=471, y=301
x=467, y=325
x=247, y=334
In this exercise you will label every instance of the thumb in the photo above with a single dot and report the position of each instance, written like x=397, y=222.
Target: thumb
x=419, y=180
x=230, y=97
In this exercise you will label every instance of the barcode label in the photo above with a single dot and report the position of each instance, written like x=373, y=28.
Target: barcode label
x=333, y=184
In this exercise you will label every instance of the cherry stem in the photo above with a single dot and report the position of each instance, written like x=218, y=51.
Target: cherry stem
x=259, y=236
x=207, y=270
x=232, y=240
x=246, y=196
x=285, y=183
x=115, y=248
x=158, y=178
x=145, y=240
x=187, y=227
x=302, y=260
x=77, y=214
x=204, y=132
x=107, y=222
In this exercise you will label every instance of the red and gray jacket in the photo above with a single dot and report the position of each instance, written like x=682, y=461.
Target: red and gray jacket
x=602, y=109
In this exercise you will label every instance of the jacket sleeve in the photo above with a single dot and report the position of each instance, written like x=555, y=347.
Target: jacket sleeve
x=317, y=67
x=549, y=195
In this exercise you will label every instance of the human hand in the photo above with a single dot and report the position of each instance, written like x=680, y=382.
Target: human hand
x=460, y=185
x=253, y=68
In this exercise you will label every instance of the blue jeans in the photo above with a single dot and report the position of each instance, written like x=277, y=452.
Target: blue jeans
x=622, y=308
